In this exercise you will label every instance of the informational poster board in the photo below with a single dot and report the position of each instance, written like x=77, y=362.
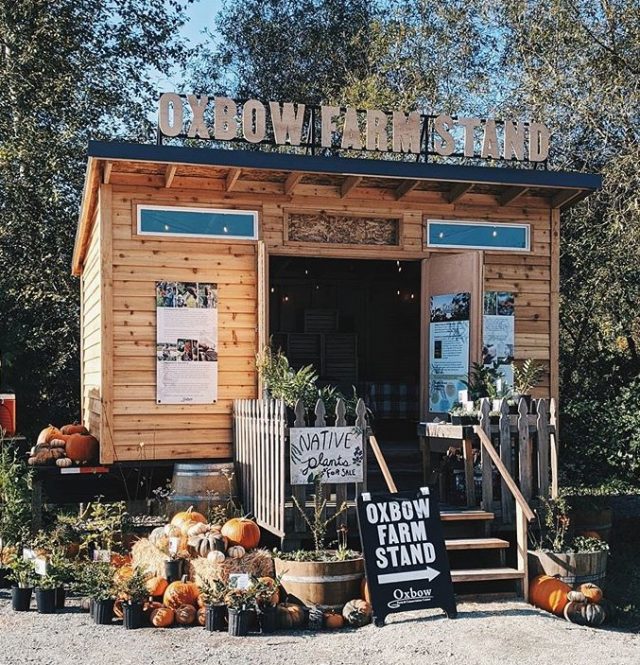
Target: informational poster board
x=405, y=556
x=498, y=336
x=337, y=453
x=186, y=343
x=448, y=349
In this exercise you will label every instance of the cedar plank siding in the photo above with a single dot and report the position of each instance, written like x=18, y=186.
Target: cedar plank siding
x=142, y=430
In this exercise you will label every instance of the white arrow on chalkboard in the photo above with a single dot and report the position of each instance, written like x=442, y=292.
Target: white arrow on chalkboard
x=428, y=573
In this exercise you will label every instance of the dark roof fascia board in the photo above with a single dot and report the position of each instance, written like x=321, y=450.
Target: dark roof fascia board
x=383, y=168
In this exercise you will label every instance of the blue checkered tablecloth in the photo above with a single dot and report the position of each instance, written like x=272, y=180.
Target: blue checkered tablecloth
x=391, y=399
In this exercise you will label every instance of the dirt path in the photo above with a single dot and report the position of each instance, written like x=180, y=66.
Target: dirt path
x=487, y=634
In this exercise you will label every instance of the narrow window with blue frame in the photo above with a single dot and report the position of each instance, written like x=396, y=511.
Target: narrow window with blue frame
x=478, y=235
x=197, y=222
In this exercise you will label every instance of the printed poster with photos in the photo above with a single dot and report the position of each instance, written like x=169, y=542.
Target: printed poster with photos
x=498, y=336
x=186, y=343
x=448, y=349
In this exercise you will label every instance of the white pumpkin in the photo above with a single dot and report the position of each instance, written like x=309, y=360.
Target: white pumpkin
x=157, y=534
x=236, y=552
x=216, y=557
x=197, y=529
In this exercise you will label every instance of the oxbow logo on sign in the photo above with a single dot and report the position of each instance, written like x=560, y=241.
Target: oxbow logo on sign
x=408, y=596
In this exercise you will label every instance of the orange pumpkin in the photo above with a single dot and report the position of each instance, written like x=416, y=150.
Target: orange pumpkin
x=76, y=428
x=333, y=620
x=186, y=518
x=162, y=617
x=82, y=448
x=201, y=616
x=123, y=574
x=181, y=593
x=242, y=531
x=591, y=592
x=156, y=586
x=49, y=433
x=289, y=615
x=549, y=593
x=269, y=581
x=185, y=615
x=364, y=590
x=119, y=560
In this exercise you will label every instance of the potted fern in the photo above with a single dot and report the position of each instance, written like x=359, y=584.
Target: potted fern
x=525, y=379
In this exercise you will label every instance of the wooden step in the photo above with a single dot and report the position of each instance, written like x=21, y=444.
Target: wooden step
x=476, y=544
x=486, y=574
x=463, y=515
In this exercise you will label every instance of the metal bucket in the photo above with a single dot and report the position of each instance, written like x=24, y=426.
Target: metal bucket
x=203, y=485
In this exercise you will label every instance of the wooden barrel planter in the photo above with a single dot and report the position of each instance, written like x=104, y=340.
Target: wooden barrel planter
x=201, y=485
x=592, y=522
x=328, y=584
x=573, y=568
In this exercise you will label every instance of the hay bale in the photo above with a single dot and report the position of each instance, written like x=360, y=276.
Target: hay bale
x=257, y=562
x=148, y=557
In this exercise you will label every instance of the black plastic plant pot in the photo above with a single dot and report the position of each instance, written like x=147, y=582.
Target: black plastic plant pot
x=238, y=622
x=21, y=598
x=173, y=570
x=215, y=618
x=103, y=612
x=267, y=619
x=133, y=615
x=46, y=601
x=61, y=596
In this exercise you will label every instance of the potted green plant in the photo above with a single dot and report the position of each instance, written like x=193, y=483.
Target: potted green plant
x=240, y=603
x=46, y=594
x=134, y=589
x=213, y=595
x=95, y=580
x=15, y=502
x=337, y=573
x=21, y=575
x=558, y=552
x=267, y=596
x=173, y=568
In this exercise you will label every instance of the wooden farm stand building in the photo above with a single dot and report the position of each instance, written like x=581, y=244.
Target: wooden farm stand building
x=338, y=269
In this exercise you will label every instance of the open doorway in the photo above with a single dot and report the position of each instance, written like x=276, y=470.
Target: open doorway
x=358, y=323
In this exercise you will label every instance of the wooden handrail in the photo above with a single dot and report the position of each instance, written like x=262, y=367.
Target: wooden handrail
x=506, y=476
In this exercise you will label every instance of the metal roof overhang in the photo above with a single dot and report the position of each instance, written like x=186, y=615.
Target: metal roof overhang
x=380, y=168
x=565, y=188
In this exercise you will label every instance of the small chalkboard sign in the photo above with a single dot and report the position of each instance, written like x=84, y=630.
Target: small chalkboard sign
x=404, y=553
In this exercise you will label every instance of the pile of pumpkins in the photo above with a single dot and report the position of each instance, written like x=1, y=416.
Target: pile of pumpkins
x=196, y=538
x=65, y=446
x=584, y=606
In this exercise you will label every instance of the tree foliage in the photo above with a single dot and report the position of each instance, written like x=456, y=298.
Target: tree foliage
x=574, y=65
x=69, y=71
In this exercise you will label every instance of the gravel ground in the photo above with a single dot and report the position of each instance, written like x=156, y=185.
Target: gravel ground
x=487, y=633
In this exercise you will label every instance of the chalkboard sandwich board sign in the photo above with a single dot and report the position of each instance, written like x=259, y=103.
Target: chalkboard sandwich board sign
x=405, y=557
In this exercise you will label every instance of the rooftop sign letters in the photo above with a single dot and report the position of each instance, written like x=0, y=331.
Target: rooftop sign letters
x=321, y=127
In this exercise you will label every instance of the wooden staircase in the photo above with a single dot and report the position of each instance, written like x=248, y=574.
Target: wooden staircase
x=468, y=519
